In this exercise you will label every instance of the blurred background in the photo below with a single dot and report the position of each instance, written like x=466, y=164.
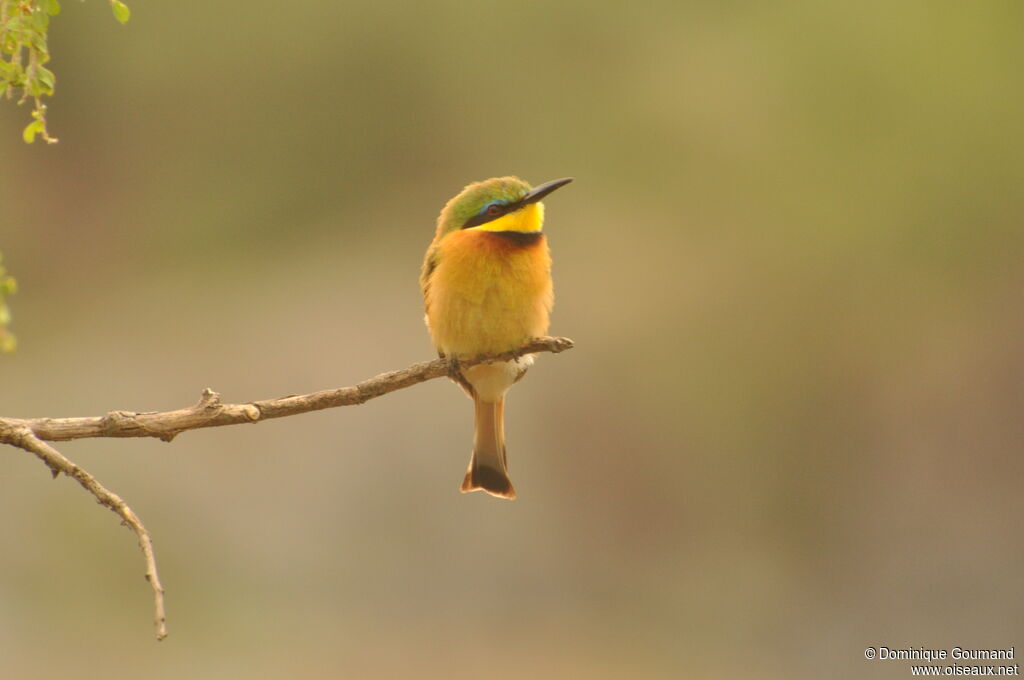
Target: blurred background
x=791, y=261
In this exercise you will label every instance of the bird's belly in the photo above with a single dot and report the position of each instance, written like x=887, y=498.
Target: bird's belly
x=489, y=296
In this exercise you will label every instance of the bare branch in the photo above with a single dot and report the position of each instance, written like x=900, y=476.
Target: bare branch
x=31, y=434
x=23, y=438
x=210, y=412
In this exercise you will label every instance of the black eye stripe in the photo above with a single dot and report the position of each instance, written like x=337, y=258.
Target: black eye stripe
x=485, y=216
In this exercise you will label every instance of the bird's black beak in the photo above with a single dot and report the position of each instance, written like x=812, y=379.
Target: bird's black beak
x=537, y=193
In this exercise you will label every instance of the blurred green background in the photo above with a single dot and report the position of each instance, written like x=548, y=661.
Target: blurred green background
x=791, y=260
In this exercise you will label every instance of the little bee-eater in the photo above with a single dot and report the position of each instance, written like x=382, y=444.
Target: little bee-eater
x=486, y=285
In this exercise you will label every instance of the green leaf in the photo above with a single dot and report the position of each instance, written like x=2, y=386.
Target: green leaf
x=121, y=11
x=40, y=21
x=51, y=7
x=31, y=130
x=45, y=76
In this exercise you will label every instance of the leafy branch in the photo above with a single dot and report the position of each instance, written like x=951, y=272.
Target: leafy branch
x=24, y=51
x=32, y=434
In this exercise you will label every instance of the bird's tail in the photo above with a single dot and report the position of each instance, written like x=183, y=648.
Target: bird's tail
x=488, y=468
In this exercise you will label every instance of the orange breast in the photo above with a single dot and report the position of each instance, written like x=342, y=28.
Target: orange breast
x=489, y=292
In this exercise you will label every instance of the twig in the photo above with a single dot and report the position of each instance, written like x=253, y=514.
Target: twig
x=31, y=434
x=23, y=438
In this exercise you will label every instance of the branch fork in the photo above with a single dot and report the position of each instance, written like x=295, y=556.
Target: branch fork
x=32, y=434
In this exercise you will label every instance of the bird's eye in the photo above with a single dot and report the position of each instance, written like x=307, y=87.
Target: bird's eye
x=493, y=210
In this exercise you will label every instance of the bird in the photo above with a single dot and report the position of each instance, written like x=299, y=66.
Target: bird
x=487, y=289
